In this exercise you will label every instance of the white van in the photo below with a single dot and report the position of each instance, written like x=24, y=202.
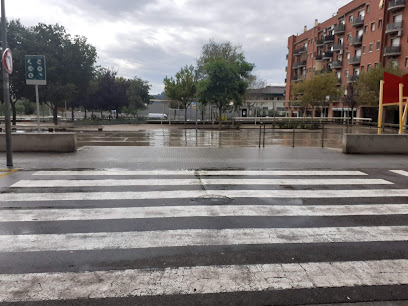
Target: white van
x=154, y=116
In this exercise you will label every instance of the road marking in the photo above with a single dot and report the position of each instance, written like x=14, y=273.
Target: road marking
x=201, y=280
x=113, y=172
x=205, y=194
x=200, y=211
x=8, y=172
x=181, y=182
x=400, y=172
x=198, y=237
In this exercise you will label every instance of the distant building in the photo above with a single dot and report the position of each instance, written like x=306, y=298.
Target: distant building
x=362, y=35
x=268, y=101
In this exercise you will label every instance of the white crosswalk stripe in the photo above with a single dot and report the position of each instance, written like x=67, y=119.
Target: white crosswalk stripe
x=114, y=172
x=188, y=194
x=203, y=181
x=62, y=223
x=201, y=280
x=194, y=237
x=201, y=211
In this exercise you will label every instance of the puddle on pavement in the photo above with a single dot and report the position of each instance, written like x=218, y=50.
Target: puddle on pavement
x=217, y=139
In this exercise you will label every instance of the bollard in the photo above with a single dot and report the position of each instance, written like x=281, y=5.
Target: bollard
x=260, y=134
x=293, y=140
x=264, y=135
x=323, y=136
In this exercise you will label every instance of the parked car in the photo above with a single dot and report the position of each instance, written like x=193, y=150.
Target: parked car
x=156, y=116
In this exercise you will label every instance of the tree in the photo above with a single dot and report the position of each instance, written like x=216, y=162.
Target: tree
x=368, y=84
x=182, y=88
x=213, y=51
x=314, y=92
x=349, y=99
x=18, y=41
x=225, y=83
x=138, y=95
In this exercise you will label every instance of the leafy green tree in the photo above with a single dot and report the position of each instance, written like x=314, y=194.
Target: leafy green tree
x=19, y=38
x=314, y=92
x=182, y=88
x=368, y=84
x=138, y=95
x=225, y=83
x=213, y=51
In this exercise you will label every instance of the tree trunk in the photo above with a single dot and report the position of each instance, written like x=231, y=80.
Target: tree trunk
x=85, y=116
x=185, y=114
x=55, y=114
x=101, y=114
x=72, y=114
x=14, y=111
x=117, y=115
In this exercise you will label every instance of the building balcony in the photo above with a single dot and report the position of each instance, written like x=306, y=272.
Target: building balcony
x=297, y=78
x=353, y=79
x=327, y=55
x=338, y=81
x=295, y=66
x=301, y=64
x=329, y=39
x=337, y=65
x=299, y=51
x=337, y=47
x=339, y=29
x=318, y=58
x=393, y=27
x=355, y=60
x=358, y=22
x=392, y=51
x=395, y=5
x=356, y=41
x=320, y=42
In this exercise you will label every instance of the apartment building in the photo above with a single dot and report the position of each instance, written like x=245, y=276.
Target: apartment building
x=362, y=35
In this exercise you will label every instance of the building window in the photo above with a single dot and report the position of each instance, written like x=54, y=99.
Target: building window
x=349, y=37
x=362, y=68
x=351, y=19
x=368, y=8
x=406, y=62
x=376, y=65
x=347, y=74
x=366, y=28
x=348, y=55
x=378, y=45
x=380, y=23
x=368, y=67
x=370, y=48
x=373, y=27
x=364, y=49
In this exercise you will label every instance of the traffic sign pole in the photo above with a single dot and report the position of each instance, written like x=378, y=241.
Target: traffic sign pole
x=6, y=89
x=37, y=100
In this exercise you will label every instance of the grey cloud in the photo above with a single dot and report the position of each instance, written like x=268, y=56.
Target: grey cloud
x=163, y=35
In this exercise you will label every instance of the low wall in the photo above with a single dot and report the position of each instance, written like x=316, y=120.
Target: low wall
x=40, y=142
x=375, y=144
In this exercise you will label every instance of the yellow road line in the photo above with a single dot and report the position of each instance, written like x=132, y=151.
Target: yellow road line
x=8, y=172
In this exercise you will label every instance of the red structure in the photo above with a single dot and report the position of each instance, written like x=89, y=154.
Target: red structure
x=362, y=35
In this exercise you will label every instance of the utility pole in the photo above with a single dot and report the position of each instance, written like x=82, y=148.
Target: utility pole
x=6, y=88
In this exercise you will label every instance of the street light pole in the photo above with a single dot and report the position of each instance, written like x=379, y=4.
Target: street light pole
x=6, y=88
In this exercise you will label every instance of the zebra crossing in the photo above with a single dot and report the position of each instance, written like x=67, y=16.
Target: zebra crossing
x=97, y=234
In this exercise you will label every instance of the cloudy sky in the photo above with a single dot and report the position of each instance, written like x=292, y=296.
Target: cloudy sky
x=154, y=38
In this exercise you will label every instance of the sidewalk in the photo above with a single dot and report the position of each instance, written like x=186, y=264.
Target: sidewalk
x=275, y=157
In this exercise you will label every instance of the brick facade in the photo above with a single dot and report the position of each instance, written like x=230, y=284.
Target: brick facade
x=362, y=34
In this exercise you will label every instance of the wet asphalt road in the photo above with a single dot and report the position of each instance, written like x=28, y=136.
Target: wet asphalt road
x=20, y=257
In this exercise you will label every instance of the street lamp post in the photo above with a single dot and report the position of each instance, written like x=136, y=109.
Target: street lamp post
x=6, y=88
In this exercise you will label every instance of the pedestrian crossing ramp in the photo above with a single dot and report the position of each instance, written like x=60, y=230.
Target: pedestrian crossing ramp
x=121, y=233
